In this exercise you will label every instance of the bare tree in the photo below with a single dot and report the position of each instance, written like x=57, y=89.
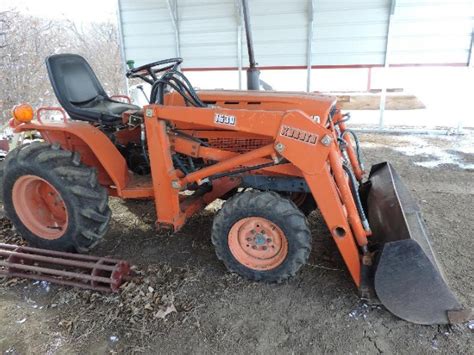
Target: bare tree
x=27, y=41
x=99, y=43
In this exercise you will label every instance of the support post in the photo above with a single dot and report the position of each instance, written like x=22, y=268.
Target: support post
x=240, y=16
x=309, y=44
x=470, y=61
x=470, y=69
x=122, y=46
x=383, y=94
x=239, y=54
x=173, y=9
x=369, y=79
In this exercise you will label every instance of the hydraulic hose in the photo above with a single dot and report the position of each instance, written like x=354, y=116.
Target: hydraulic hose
x=192, y=92
x=143, y=143
x=180, y=83
x=157, y=93
x=180, y=164
x=357, y=144
x=355, y=193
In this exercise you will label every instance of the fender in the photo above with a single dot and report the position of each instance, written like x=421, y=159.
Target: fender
x=95, y=148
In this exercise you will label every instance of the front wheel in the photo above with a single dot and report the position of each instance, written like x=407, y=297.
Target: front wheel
x=261, y=236
x=53, y=200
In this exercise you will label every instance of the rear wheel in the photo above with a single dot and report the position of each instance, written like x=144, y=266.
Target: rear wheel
x=261, y=236
x=53, y=200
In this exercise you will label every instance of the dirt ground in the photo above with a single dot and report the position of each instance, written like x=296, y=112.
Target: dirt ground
x=184, y=300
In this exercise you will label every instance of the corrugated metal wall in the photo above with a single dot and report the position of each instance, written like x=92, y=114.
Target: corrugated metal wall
x=208, y=32
x=432, y=31
x=279, y=31
x=147, y=30
x=345, y=32
x=350, y=32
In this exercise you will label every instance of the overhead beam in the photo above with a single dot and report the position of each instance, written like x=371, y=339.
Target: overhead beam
x=173, y=10
x=383, y=94
x=309, y=44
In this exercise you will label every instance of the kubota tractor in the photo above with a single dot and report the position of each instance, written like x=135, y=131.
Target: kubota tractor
x=273, y=156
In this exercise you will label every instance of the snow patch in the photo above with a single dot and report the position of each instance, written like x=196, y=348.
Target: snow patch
x=435, y=150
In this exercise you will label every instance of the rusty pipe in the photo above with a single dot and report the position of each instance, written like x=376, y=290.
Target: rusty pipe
x=85, y=271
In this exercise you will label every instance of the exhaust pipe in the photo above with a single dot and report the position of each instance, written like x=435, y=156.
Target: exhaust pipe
x=253, y=74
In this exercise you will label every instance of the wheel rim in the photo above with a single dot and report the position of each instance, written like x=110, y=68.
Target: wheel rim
x=258, y=243
x=40, y=207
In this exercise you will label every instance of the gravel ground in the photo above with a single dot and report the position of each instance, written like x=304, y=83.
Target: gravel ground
x=184, y=301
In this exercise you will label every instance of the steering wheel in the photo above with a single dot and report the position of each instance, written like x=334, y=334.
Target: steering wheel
x=148, y=71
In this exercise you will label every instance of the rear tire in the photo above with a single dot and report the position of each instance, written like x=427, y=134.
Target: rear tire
x=261, y=236
x=53, y=179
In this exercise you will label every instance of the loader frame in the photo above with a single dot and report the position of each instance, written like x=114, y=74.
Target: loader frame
x=302, y=143
x=319, y=163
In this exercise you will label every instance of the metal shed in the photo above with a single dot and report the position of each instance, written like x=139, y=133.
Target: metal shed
x=299, y=34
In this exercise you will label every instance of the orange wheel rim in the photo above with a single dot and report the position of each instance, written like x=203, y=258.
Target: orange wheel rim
x=40, y=207
x=258, y=243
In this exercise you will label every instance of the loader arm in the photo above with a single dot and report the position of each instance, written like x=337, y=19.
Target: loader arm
x=296, y=137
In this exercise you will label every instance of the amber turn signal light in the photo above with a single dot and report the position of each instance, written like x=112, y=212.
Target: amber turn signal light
x=23, y=113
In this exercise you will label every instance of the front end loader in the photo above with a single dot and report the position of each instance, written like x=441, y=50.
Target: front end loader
x=273, y=156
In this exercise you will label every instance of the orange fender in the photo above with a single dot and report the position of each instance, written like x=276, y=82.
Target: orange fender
x=95, y=148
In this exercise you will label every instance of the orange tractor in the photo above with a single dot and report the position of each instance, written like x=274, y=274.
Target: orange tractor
x=273, y=156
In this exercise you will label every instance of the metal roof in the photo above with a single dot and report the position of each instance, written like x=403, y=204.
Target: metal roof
x=208, y=33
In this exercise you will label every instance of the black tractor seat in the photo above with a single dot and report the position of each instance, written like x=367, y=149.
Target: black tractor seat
x=80, y=93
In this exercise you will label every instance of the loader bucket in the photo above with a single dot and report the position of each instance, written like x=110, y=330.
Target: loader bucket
x=408, y=279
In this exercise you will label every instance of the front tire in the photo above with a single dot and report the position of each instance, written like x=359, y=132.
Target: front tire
x=304, y=201
x=53, y=200
x=261, y=236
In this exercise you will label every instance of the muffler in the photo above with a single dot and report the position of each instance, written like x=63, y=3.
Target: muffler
x=408, y=279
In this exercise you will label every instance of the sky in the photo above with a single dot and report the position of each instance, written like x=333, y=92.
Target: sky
x=80, y=11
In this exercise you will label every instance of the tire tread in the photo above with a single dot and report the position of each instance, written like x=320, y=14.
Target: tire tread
x=275, y=206
x=89, y=200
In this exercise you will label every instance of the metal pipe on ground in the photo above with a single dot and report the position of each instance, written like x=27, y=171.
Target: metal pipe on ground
x=84, y=271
